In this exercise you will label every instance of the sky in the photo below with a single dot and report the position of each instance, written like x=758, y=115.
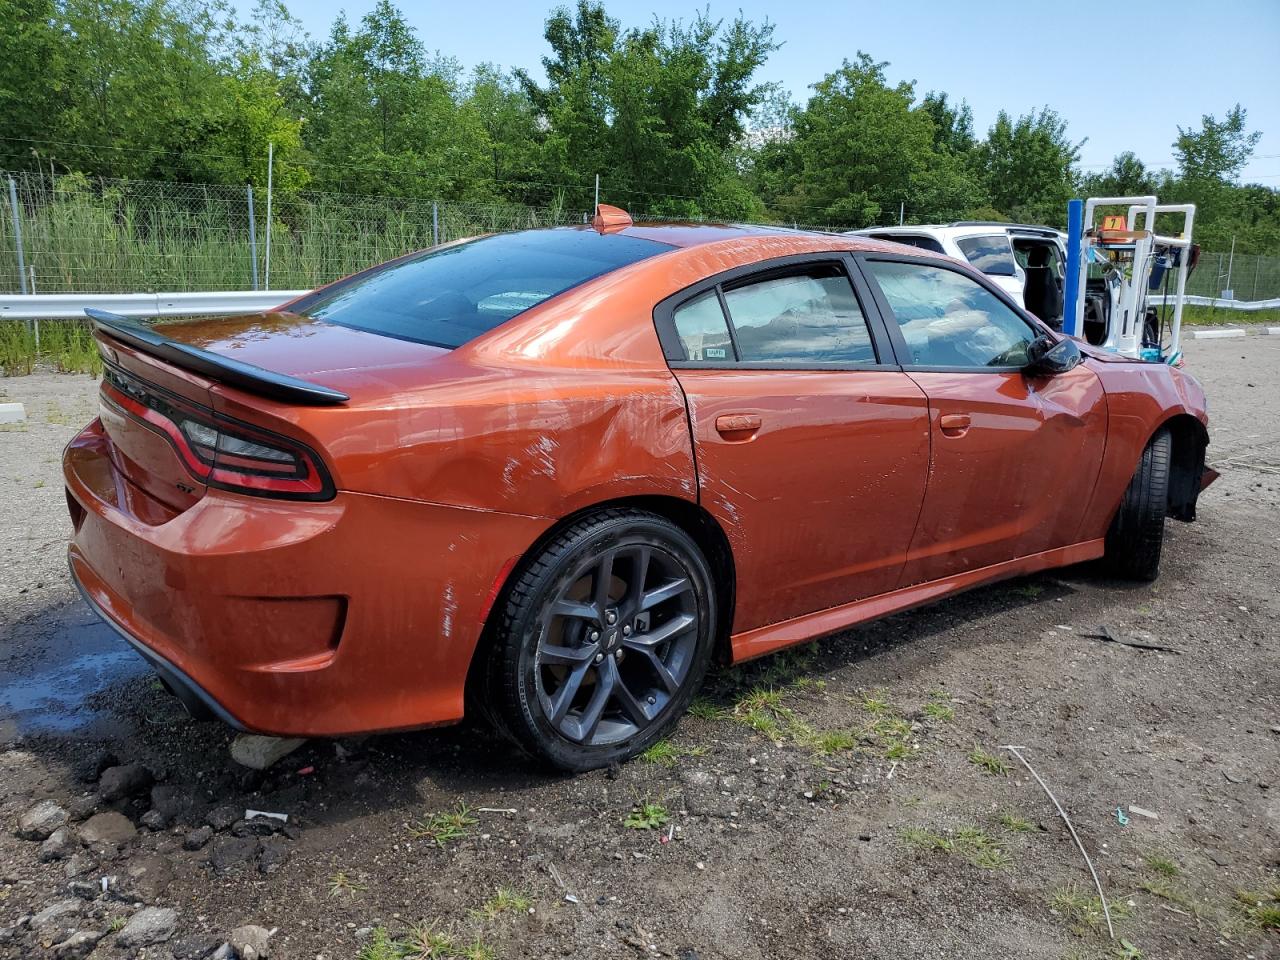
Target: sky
x=1124, y=75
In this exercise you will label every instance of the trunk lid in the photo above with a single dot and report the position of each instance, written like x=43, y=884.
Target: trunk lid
x=333, y=356
x=255, y=359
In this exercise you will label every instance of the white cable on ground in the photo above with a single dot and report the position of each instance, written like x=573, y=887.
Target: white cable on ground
x=1016, y=751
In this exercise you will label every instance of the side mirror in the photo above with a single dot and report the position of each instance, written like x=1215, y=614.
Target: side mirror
x=1047, y=356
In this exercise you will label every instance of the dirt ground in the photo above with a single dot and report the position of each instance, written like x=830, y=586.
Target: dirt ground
x=850, y=799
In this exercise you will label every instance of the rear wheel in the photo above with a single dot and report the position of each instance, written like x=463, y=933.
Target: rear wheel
x=603, y=640
x=1137, y=532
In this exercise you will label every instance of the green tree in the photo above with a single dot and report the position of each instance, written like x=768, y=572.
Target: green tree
x=1126, y=177
x=33, y=83
x=1209, y=162
x=574, y=104
x=503, y=111
x=385, y=119
x=952, y=124
x=658, y=112
x=1028, y=166
x=1217, y=151
x=141, y=86
x=862, y=151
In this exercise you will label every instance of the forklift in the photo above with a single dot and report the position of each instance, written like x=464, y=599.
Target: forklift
x=1117, y=267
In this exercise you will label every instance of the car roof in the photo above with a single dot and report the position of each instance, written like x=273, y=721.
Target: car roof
x=684, y=235
x=962, y=228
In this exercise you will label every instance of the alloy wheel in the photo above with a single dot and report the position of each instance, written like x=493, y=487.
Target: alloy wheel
x=616, y=643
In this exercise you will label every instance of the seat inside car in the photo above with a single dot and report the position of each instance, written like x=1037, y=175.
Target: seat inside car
x=1042, y=294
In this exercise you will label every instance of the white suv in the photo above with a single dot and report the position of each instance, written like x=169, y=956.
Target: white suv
x=1027, y=262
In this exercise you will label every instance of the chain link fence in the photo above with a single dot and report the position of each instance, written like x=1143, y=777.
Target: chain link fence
x=98, y=235
x=94, y=235
x=1247, y=276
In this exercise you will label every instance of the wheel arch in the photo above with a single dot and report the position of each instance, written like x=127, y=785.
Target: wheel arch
x=1190, y=440
x=690, y=517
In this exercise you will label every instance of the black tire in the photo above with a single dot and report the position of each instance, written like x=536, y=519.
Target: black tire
x=1137, y=532
x=576, y=689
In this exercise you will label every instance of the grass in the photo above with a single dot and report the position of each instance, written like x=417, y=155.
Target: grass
x=1218, y=316
x=1015, y=823
x=706, y=709
x=503, y=902
x=970, y=843
x=116, y=924
x=875, y=704
x=424, y=941
x=442, y=828
x=1164, y=888
x=667, y=754
x=82, y=233
x=647, y=816
x=938, y=707
x=66, y=345
x=1260, y=908
x=1161, y=865
x=988, y=763
x=381, y=947
x=835, y=741
x=1080, y=906
x=476, y=950
x=940, y=712
x=891, y=736
x=340, y=884
x=761, y=709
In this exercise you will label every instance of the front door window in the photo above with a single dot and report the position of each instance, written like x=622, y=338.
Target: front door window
x=950, y=320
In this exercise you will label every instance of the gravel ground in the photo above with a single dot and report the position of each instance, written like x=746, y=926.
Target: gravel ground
x=847, y=799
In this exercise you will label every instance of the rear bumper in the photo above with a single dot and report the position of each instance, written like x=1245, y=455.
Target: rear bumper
x=199, y=703
x=291, y=618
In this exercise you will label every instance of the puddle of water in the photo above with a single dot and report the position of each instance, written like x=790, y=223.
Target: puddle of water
x=51, y=666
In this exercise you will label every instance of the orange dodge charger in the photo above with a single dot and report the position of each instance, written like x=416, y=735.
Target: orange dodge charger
x=551, y=475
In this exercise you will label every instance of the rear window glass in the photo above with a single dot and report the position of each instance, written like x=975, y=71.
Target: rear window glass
x=703, y=331
x=912, y=240
x=450, y=295
x=806, y=316
x=992, y=255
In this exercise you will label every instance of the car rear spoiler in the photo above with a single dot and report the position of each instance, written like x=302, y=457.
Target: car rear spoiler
x=236, y=373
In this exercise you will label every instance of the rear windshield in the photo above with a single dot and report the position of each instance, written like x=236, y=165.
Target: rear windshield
x=450, y=295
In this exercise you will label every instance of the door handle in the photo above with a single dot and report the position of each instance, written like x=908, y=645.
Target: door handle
x=954, y=424
x=737, y=426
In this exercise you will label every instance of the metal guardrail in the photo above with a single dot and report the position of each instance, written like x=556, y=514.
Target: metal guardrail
x=56, y=306
x=1249, y=306
x=61, y=306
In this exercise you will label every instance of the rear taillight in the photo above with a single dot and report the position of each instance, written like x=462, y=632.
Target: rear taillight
x=217, y=450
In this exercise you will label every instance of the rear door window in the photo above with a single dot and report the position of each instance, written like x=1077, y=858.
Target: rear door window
x=449, y=295
x=807, y=315
x=703, y=330
x=990, y=254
